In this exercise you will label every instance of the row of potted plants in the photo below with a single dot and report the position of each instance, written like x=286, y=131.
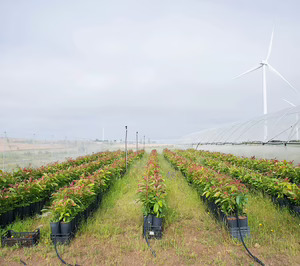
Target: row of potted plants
x=21, y=174
x=227, y=194
x=280, y=189
x=30, y=192
x=271, y=168
x=72, y=202
x=152, y=194
x=152, y=189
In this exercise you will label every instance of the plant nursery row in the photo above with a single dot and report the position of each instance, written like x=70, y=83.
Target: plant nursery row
x=152, y=194
x=225, y=196
x=10, y=178
x=282, y=191
x=28, y=197
x=271, y=168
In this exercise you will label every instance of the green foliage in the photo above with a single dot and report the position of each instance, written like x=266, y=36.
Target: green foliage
x=34, y=190
x=73, y=199
x=152, y=189
x=229, y=194
x=230, y=165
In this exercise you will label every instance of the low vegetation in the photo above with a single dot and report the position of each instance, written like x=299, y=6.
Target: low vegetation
x=113, y=234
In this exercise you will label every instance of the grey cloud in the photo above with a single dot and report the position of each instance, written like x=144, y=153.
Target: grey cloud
x=165, y=68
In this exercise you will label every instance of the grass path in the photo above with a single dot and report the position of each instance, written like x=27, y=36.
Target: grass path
x=274, y=231
x=113, y=236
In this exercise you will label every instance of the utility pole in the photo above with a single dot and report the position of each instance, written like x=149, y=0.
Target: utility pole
x=126, y=146
x=51, y=151
x=137, y=143
x=3, y=169
x=144, y=141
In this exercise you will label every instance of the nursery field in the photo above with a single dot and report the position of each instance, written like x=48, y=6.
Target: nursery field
x=98, y=204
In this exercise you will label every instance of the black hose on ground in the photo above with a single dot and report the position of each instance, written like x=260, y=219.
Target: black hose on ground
x=255, y=258
x=23, y=262
x=148, y=243
x=60, y=258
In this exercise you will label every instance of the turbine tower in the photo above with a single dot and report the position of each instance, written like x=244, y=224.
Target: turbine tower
x=264, y=64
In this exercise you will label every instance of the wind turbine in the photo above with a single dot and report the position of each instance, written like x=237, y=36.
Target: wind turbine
x=265, y=64
x=297, y=118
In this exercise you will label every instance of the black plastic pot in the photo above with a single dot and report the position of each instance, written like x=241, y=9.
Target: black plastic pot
x=212, y=206
x=86, y=214
x=99, y=198
x=157, y=222
x=281, y=202
x=3, y=219
x=55, y=228
x=235, y=232
x=77, y=220
x=10, y=217
x=232, y=221
x=19, y=212
x=221, y=216
x=26, y=211
x=157, y=227
x=243, y=221
x=148, y=220
x=39, y=206
x=296, y=209
x=66, y=228
x=203, y=198
x=33, y=208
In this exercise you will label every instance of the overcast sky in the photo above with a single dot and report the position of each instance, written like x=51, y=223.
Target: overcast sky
x=163, y=68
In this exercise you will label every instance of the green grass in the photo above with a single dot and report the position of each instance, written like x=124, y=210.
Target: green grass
x=273, y=228
x=119, y=207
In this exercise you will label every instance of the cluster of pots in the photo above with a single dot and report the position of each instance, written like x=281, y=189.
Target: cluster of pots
x=285, y=202
x=21, y=212
x=62, y=232
x=153, y=227
x=235, y=227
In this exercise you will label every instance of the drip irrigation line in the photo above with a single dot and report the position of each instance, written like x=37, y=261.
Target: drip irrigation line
x=60, y=258
x=255, y=258
x=148, y=243
x=23, y=262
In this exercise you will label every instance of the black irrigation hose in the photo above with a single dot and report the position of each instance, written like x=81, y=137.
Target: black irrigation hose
x=148, y=243
x=23, y=262
x=63, y=262
x=255, y=258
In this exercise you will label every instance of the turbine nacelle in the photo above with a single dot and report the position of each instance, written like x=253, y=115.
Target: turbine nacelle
x=264, y=63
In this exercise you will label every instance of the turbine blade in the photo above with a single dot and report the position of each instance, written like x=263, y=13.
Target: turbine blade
x=270, y=46
x=289, y=102
x=248, y=71
x=276, y=72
